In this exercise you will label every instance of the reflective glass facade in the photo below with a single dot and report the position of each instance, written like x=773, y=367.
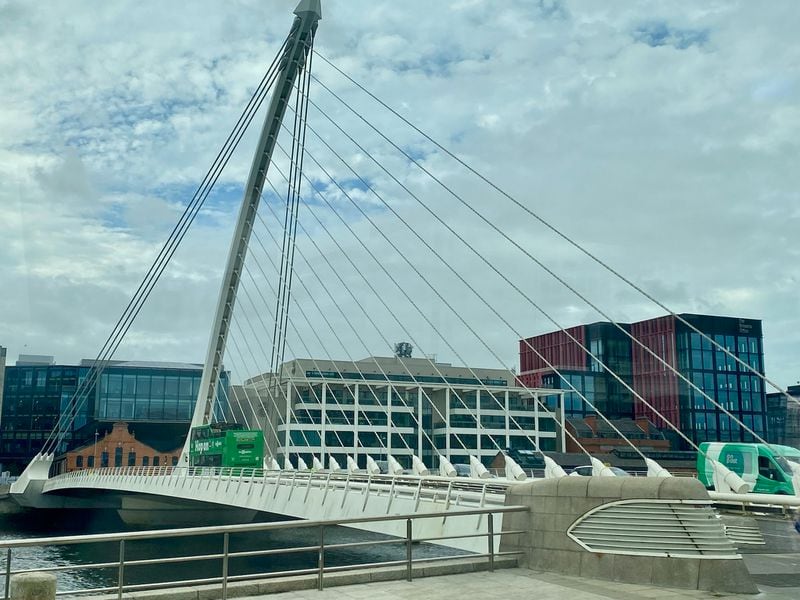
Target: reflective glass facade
x=35, y=397
x=722, y=378
x=580, y=371
x=718, y=375
x=147, y=394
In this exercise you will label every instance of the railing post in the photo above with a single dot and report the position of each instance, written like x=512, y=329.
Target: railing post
x=321, y=557
x=491, y=541
x=225, y=544
x=409, y=535
x=8, y=574
x=121, y=572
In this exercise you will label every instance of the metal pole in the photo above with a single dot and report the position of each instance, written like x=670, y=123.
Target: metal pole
x=225, y=544
x=409, y=535
x=491, y=541
x=8, y=574
x=121, y=572
x=321, y=558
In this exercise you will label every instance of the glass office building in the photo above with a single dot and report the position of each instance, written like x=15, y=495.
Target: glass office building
x=783, y=417
x=733, y=386
x=34, y=396
x=158, y=397
x=719, y=376
x=579, y=371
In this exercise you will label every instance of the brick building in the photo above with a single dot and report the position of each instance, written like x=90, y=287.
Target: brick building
x=119, y=448
x=598, y=437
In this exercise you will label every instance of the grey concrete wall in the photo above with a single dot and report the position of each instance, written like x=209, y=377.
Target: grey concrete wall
x=555, y=504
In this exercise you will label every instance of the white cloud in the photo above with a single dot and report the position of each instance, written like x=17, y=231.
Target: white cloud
x=663, y=137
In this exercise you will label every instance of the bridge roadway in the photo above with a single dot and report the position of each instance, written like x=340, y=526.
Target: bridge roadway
x=140, y=492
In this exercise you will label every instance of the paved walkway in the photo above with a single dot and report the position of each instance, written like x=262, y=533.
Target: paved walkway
x=514, y=584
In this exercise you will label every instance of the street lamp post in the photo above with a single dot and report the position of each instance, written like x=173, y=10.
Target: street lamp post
x=94, y=460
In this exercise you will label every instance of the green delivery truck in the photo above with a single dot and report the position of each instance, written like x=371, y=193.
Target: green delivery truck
x=764, y=466
x=226, y=445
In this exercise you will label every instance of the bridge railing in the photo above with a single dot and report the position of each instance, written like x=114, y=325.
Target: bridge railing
x=443, y=490
x=224, y=559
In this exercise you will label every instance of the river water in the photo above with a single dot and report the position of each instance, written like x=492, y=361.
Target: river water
x=61, y=523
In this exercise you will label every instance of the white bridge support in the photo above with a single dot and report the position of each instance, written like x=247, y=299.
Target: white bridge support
x=308, y=13
x=309, y=495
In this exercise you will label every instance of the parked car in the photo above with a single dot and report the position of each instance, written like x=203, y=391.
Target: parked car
x=462, y=470
x=586, y=470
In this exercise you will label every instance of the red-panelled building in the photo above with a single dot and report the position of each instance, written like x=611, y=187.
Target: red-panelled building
x=559, y=360
x=678, y=343
x=651, y=378
x=555, y=348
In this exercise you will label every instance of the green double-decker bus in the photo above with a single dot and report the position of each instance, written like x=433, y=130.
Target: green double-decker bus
x=226, y=445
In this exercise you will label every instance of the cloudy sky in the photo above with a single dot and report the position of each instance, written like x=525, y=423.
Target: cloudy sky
x=663, y=136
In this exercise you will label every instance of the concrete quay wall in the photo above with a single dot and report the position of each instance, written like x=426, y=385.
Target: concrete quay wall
x=556, y=504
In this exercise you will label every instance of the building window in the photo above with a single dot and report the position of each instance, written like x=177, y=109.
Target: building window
x=79, y=462
x=156, y=461
x=117, y=457
x=131, y=458
x=90, y=461
x=174, y=461
x=145, y=461
x=104, y=459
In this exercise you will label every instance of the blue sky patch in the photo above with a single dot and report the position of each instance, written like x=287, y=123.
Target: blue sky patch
x=661, y=33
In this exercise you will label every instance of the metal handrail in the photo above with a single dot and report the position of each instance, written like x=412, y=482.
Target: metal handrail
x=475, y=492
x=249, y=472
x=227, y=530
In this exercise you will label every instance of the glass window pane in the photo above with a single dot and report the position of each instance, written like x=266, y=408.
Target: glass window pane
x=695, y=337
x=114, y=385
x=129, y=385
x=171, y=386
x=185, y=388
x=157, y=387
x=143, y=386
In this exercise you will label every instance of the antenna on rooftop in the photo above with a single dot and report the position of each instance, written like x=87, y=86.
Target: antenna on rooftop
x=403, y=350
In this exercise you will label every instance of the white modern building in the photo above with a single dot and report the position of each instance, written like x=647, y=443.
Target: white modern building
x=401, y=406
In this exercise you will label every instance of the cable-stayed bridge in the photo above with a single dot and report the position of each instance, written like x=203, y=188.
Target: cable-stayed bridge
x=319, y=265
